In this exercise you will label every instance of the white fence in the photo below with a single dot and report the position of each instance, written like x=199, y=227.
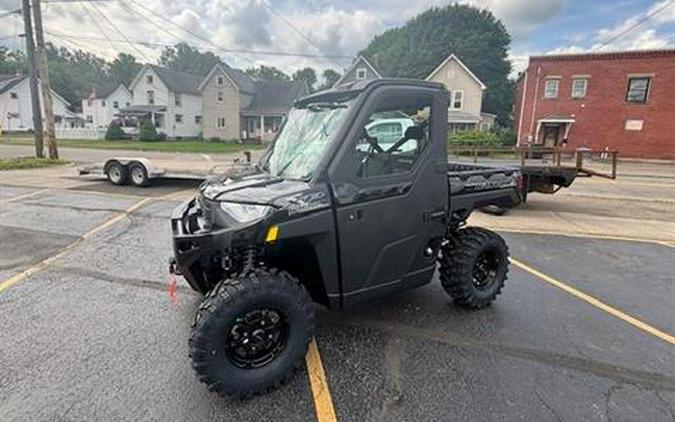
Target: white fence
x=80, y=133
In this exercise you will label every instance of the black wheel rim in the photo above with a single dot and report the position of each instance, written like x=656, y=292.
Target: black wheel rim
x=257, y=338
x=485, y=270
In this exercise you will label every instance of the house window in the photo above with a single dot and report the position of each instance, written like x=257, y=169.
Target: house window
x=179, y=118
x=220, y=80
x=178, y=101
x=128, y=104
x=90, y=118
x=579, y=87
x=361, y=73
x=457, y=100
x=220, y=96
x=551, y=88
x=102, y=103
x=149, y=79
x=198, y=120
x=13, y=95
x=221, y=123
x=638, y=88
x=116, y=104
x=150, y=95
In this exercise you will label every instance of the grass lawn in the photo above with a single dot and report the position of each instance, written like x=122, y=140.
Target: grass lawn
x=205, y=147
x=28, y=163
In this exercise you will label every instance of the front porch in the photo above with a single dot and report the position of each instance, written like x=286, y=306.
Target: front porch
x=260, y=128
x=130, y=118
x=553, y=131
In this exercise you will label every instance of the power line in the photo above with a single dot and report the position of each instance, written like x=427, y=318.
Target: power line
x=290, y=25
x=636, y=24
x=93, y=19
x=242, y=51
x=15, y=12
x=138, y=50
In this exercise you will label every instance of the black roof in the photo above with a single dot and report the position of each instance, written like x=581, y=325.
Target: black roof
x=106, y=90
x=181, y=82
x=8, y=82
x=273, y=97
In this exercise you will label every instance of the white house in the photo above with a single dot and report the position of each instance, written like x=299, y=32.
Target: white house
x=16, y=113
x=171, y=99
x=100, y=108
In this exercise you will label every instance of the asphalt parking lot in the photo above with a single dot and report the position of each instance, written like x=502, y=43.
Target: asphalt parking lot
x=583, y=330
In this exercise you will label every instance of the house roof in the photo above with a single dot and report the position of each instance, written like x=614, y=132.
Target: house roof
x=180, y=82
x=108, y=89
x=606, y=55
x=365, y=60
x=7, y=84
x=273, y=97
x=462, y=65
x=240, y=79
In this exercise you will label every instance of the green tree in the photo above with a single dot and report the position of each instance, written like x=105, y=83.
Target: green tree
x=12, y=61
x=474, y=35
x=330, y=76
x=124, y=68
x=74, y=73
x=306, y=75
x=186, y=58
x=147, y=132
x=268, y=72
x=114, y=132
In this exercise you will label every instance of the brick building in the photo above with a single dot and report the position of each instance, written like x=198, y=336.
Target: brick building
x=623, y=101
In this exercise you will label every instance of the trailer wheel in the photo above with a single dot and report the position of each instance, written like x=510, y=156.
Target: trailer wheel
x=138, y=175
x=251, y=332
x=474, y=265
x=117, y=173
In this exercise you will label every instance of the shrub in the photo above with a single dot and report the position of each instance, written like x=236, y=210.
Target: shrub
x=474, y=138
x=507, y=137
x=114, y=132
x=147, y=132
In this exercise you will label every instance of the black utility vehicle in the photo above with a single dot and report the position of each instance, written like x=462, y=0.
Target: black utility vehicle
x=355, y=199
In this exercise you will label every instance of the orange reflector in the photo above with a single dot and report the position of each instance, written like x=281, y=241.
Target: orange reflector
x=272, y=234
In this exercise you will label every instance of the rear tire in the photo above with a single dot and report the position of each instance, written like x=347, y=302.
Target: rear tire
x=251, y=332
x=117, y=174
x=138, y=175
x=474, y=266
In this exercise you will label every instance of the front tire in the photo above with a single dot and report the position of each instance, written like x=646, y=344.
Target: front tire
x=117, y=173
x=474, y=267
x=251, y=332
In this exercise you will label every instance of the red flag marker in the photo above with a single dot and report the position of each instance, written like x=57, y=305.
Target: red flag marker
x=173, y=297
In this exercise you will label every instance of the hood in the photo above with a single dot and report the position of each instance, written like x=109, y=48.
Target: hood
x=254, y=187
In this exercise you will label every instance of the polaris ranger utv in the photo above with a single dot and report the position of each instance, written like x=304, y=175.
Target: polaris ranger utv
x=338, y=210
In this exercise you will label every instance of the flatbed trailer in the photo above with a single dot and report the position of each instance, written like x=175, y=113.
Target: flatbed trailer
x=140, y=171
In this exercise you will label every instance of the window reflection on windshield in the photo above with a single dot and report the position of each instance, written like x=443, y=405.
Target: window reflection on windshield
x=303, y=140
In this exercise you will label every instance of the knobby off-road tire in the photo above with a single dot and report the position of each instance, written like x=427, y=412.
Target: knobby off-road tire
x=222, y=358
x=474, y=266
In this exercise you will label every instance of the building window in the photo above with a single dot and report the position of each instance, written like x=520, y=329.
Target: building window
x=179, y=118
x=220, y=96
x=361, y=73
x=198, y=120
x=116, y=105
x=638, y=88
x=220, y=80
x=150, y=95
x=149, y=79
x=221, y=123
x=128, y=104
x=579, y=87
x=102, y=103
x=178, y=101
x=90, y=118
x=551, y=88
x=457, y=100
x=13, y=95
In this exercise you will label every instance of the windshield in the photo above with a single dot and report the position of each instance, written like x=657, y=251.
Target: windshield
x=303, y=139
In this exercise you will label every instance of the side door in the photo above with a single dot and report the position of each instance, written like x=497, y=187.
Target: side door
x=391, y=198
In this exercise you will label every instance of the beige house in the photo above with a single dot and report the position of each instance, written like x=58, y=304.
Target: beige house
x=466, y=96
x=466, y=90
x=239, y=106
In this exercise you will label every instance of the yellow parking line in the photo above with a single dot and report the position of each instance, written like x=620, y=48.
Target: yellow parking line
x=325, y=412
x=597, y=303
x=48, y=261
x=585, y=236
x=20, y=197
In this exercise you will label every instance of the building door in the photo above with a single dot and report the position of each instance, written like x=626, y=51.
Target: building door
x=551, y=134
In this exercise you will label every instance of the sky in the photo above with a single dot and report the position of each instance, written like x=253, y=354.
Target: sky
x=339, y=28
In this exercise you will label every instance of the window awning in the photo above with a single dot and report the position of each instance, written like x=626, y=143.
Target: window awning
x=557, y=119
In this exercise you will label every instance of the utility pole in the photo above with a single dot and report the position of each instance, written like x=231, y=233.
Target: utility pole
x=32, y=77
x=50, y=135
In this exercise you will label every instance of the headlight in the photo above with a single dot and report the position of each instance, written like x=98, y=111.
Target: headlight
x=245, y=213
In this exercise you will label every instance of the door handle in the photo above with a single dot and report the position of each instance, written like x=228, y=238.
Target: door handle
x=355, y=215
x=433, y=215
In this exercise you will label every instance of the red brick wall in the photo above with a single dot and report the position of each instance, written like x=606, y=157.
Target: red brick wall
x=602, y=114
